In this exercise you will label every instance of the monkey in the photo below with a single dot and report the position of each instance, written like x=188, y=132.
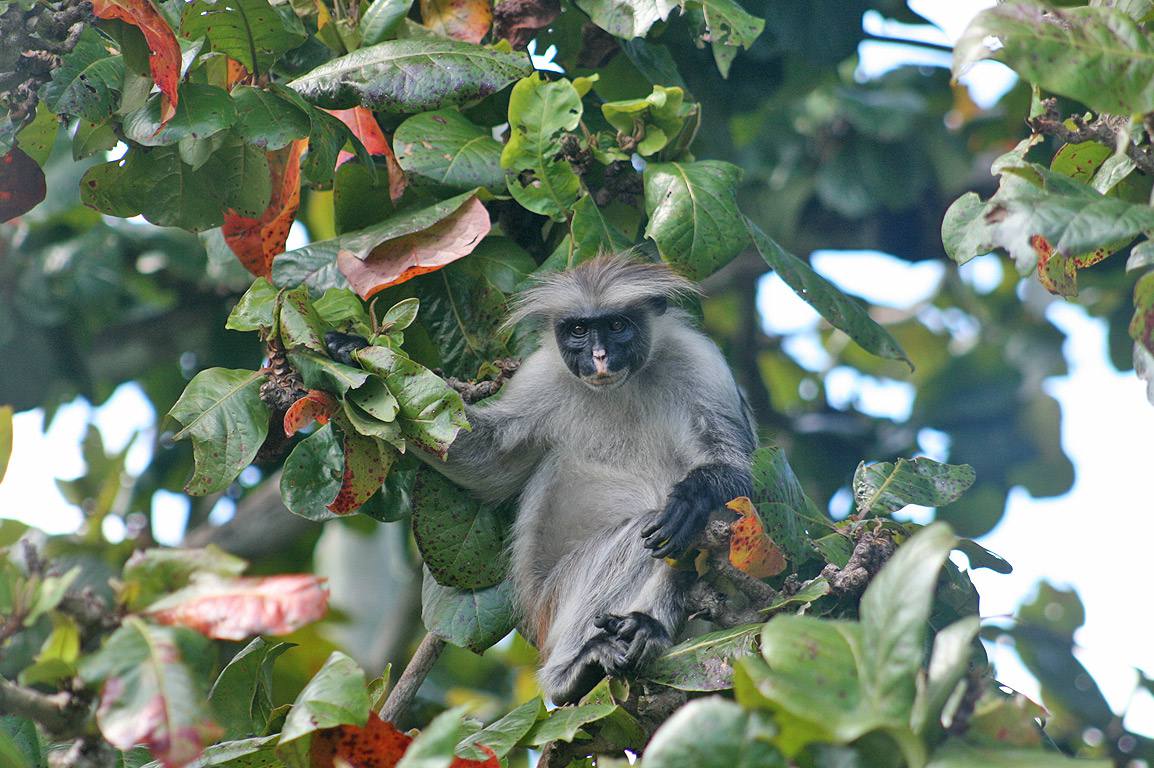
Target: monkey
x=619, y=435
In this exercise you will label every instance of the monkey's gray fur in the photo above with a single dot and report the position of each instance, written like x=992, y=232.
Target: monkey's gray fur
x=605, y=474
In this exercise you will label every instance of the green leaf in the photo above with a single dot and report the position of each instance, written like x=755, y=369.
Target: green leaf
x=949, y=660
x=627, y=19
x=812, y=590
x=781, y=503
x=841, y=311
x=203, y=110
x=6, y=439
x=336, y=695
x=322, y=372
x=503, y=735
x=693, y=215
x=446, y=148
x=884, y=488
x=402, y=314
x=592, y=232
x=242, y=175
x=314, y=265
x=461, y=539
x=727, y=27
x=958, y=754
x=92, y=137
x=312, y=475
x=565, y=723
x=152, y=573
x=469, y=618
x=408, y=76
x=540, y=112
x=299, y=324
x=714, y=732
x=266, y=120
x=661, y=114
x=223, y=414
x=254, y=310
x=431, y=412
x=964, y=236
x=243, y=753
x=381, y=19
x=38, y=137
x=88, y=81
x=19, y=743
x=340, y=308
x=705, y=662
x=375, y=399
x=250, y=31
x=1098, y=56
x=360, y=197
x=434, y=746
x=895, y=612
x=242, y=693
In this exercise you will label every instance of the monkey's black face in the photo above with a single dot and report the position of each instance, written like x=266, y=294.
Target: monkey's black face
x=604, y=350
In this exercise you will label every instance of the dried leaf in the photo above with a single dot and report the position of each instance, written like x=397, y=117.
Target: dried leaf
x=750, y=548
x=465, y=20
x=22, y=184
x=364, y=126
x=257, y=241
x=164, y=57
x=235, y=609
x=377, y=745
x=403, y=258
x=518, y=20
x=316, y=406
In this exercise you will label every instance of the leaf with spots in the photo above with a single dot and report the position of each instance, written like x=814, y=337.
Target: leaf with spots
x=414, y=75
x=466, y=20
x=446, y=148
x=469, y=618
x=237, y=609
x=267, y=120
x=257, y=241
x=300, y=325
x=366, y=464
x=540, y=114
x=313, y=474
x=461, y=539
x=750, y=549
x=376, y=745
x=317, y=406
x=164, y=55
x=322, y=372
x=885, y=487
x=203, y=111
x=250, y=31
x=88, y=81
x=225, y=418
x=335, y=696
x=364, y=126
x=705, y=662
x=22, y=184
x=376, y=258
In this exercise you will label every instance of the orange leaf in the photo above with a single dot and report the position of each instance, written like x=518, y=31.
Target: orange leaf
x=236, y=73
x=257, y=241
x=316, y=406
x=364, y=126
x=22, y=184
x=164, y=58
x=367, y=464
x=466, y=20
x=403, y=258
x=377, y=745
x=234, y=609
x=492, y=761
x=750, y=548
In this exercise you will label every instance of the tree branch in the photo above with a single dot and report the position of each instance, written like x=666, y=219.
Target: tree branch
x=61, y=714
x=1111, y=130
x=410, y=680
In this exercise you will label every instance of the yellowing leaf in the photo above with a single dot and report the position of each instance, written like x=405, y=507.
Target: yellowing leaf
x=466, y=20
x=750, y=548
x=257, y=241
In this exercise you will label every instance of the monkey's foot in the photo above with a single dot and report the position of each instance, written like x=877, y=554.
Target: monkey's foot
x=629, y=641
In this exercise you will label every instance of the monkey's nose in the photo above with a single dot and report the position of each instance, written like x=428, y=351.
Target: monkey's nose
x=600, y=361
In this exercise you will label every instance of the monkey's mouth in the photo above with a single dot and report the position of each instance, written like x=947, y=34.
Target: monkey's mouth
x=606, y=381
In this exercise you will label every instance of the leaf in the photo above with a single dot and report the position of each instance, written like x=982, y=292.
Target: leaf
x=243, y=753
x=257, y=241
x=91, y=138
x=841, y=311
x=203, y=111
x=151, y=694
x=408, y=76
x=236, y=609
x=317, y=406
x=895, y=611
x=446, y=148
x=661, y=116
x=469, y=618
x=592, y=232
x=714, y=731
x=964, y=236
x=884, y=488
x=254, y=310
x=693, y=215
x=22, y=184
x=466, y=20
x=339, y=308
x=949, y=660
x=364, y=126
x=6, y=438
x=49, y=592
x=299, y=324
x=518, y=22
x=1142, y=322
x=313, y=475
x=627, y=19
x=242, y=693
x=751, y=550
x=503, y=735
x=164, y=56
x=377, y=743
x=394, y=261
x=401, y=315
x=728, y=26
x=223, y=414
x=1098, y=56
x=565, y=723
x=88, y=81
x=336, y=695
x=322, y=372
x=958, y=754
x=151, y=573
x=809, y=592
x=461, y=539
x=266, y=120
x=433, y=747
x=366, y=464
x=540, y=113
x=19, y=743
x=381, y=19
x=705, y=662
x=249, y=31
x=782, y=503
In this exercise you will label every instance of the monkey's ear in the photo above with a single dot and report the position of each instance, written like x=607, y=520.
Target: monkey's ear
x=659, y=304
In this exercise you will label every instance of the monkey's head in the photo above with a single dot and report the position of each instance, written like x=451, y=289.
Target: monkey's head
x=604, y=314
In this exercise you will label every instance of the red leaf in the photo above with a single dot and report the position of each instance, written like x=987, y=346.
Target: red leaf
x=164, y=58
x=401, y=259
x=491, y=761
x=257, y=241
x=22, y=185
x=236, y=73
x=365, y=127
x=518, y=20
x=367, y=463
x=750, y=548
x=377, y=745
x=316, y=406
x=234, y=609
x=466, y=20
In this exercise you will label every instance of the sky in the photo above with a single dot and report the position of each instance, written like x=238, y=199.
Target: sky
x=1104, y=414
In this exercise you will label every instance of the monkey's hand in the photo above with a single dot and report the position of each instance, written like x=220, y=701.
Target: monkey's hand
x=675, y=527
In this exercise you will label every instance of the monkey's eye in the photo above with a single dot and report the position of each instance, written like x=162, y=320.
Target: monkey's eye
x=617, y=325
x=578, y=330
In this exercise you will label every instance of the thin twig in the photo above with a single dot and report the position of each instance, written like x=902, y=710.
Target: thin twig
x=1111, y=130
x=410, y=681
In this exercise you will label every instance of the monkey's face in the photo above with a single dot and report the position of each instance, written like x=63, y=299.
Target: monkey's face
x=603, y=350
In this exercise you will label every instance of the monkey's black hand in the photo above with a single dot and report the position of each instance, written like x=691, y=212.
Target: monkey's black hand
x=629, y=641
x=341, y=346
x=703, y=490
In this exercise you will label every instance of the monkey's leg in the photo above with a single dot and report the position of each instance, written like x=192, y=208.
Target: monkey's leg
x=615, y=609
